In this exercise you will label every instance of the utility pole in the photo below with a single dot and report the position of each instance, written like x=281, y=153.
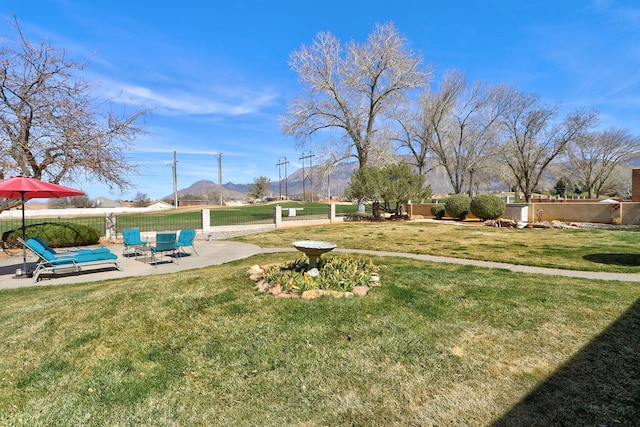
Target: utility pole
x=279, y=181
x=307, y=155
x=284, y=163
x=220, y=175
x=286, y=180
x=175, y=181
x=329, y=186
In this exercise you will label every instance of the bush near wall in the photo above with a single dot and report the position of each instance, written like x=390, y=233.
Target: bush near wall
x=438, y=211
x=487, y=206
x=458, y=206
x=56, y=235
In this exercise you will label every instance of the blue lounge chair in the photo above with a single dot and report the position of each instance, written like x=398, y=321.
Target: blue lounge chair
x=165, y=242
x=185, y=238
x=132, y=241
x=50, y=263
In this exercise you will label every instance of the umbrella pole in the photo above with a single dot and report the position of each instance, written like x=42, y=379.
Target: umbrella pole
x=24, y=239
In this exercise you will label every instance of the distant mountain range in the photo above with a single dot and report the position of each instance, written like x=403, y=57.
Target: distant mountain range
x=292, y=186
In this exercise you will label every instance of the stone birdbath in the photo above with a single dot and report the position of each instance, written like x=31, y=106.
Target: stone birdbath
x=313, y=249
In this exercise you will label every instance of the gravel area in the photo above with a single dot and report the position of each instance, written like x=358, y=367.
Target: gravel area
x=227, y=233
x=605, y=226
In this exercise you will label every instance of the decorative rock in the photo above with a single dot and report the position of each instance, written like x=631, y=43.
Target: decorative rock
x=287, y=295
x=275, y=289
x=360, y=291
x=313, y=272
x=255, y=270
x=316, y=293
x=501, y=222
x=263, y=286
x=374, y=280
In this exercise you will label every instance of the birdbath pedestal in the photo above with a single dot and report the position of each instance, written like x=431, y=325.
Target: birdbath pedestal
x=313, y=249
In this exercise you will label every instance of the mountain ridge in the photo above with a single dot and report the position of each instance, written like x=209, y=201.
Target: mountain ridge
x=293, y=186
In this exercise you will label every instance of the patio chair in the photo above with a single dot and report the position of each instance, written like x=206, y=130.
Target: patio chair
x=165, y=242
x=50, y=263
x=132, y=241
x=185, y=238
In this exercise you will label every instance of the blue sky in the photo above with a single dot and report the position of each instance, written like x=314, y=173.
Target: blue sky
x=216, y=72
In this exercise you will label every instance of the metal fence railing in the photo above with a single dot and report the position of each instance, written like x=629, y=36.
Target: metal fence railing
x=178, y=219
x=240, y=217
x=305, y=213
x=154, y=221
x=345, y=210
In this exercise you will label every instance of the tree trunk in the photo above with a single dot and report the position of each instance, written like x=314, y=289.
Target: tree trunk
x=376, y=210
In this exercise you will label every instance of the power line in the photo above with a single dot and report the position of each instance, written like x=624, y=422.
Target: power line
x=307, y=155
x=283, y=162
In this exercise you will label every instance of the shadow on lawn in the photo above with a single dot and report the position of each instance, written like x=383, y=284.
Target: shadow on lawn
x=627, y=260
x=599, y=386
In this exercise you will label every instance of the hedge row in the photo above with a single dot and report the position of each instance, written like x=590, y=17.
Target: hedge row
x=56, y=235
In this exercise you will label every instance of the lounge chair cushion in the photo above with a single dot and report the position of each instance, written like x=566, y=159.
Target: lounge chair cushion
x=84, y=258
x=105, y=254
x=35, y=246
x=69, y=253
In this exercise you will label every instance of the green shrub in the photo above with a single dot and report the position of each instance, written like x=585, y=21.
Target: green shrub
x=56, y=234
x=458, y=206
x=438, y=210
x=487, y=206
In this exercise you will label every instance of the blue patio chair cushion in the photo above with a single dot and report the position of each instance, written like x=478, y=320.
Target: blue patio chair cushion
x=132, y=237
x=35, y=246
x=165, y=242
x=186, y=238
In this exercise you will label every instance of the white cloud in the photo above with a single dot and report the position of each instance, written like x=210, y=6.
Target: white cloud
x=234, y=102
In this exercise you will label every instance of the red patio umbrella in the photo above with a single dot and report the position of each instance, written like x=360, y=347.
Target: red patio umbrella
x=25, y=187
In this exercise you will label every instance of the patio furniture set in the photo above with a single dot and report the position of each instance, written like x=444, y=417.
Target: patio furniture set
x=53, y=261
x=167, y=242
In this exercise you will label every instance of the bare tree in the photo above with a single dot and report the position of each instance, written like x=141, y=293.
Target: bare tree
x=464, y=136
x=212, y=194
x=415, y=131
x=351, y=89
x=260, y=187
x=79, y=201
x=593, y=157
x=532, y=139
x=141, y=199
x=620, y=182
x=52, y=127
x=455, y=127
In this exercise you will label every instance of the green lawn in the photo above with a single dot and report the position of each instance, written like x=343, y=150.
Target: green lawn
x=434, y=345
x=578, y=249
